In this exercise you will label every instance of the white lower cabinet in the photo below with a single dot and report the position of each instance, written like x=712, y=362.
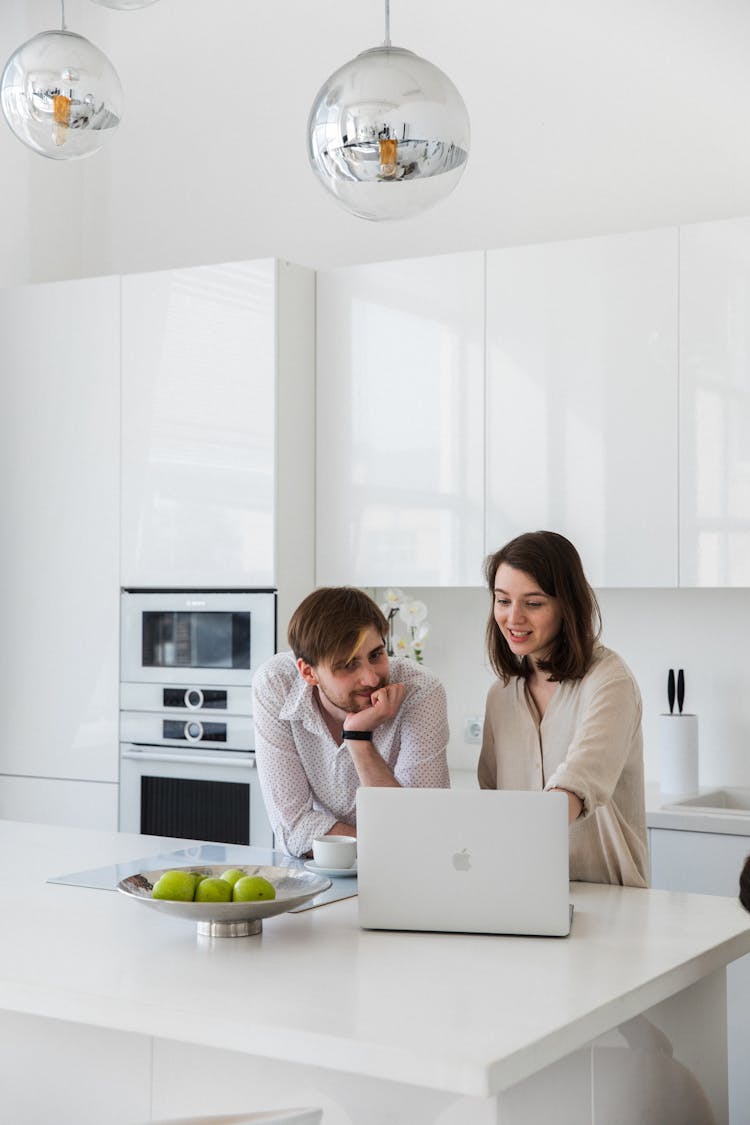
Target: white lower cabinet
x=44, y=800
x=709, y=863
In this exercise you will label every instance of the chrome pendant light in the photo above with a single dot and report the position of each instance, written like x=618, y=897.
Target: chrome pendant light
x=388, y=133
x=61, y=95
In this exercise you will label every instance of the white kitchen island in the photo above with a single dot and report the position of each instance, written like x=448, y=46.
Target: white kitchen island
x=112, y=1013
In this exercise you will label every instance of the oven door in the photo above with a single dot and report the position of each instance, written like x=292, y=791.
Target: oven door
x=187, y=731
x=193, y=796
x=180, y=638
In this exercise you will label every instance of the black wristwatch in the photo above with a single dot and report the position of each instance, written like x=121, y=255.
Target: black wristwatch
x=357, y=735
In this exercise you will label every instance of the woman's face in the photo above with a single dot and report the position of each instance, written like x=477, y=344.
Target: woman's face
x=528, y=618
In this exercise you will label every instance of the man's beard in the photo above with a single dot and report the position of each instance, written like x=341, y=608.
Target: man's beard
x=354, y=702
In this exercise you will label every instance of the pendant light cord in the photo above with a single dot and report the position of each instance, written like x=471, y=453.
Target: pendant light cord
x=62, y=15
x=387, y=42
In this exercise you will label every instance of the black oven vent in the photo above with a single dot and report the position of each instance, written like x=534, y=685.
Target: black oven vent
x=216, y=811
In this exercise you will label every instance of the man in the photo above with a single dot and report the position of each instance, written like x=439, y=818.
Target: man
x=335, y=713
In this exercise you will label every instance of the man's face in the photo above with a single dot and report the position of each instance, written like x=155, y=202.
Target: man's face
x=349, y=686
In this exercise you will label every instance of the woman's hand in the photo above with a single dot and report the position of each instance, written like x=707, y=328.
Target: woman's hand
x=575, y=804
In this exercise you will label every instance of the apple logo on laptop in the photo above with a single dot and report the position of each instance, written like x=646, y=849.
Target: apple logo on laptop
x=461, y=860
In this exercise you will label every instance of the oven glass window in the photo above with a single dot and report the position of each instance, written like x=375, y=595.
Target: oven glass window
x=199, y=639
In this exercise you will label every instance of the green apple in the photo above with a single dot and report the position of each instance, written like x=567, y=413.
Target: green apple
x=253, y=888
x=213, y=890
x=233, y=874
x=179, y=886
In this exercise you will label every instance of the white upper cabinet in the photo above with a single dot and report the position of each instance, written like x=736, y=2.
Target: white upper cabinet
x=715, y=404
x=59, y=513
x=400, y=406
x=202, y=350
x=582, y=401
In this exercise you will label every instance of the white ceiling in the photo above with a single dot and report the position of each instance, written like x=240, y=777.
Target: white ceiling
x=588, y=116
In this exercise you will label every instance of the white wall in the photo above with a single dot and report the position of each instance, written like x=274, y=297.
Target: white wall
x=702, y=631
x=588, y=117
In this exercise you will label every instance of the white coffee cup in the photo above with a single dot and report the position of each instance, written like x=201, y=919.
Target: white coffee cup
x=335, y=851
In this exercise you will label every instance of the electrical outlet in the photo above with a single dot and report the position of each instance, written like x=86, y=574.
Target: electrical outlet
x=473, y=729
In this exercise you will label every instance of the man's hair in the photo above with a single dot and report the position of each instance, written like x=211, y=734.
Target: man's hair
x=554, y=563
x=745, y=884
x=329, y=625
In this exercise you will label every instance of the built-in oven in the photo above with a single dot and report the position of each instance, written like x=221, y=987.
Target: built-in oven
x=187, y=761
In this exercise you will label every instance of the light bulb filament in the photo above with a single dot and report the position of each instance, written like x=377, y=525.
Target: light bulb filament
x=388, y=156
x=61, y=109
x=61, y=115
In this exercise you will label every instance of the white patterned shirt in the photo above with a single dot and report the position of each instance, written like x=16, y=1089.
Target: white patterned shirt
x=308, y=781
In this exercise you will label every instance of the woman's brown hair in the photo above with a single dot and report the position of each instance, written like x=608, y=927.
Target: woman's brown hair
x=554, y=563
x=328, y=626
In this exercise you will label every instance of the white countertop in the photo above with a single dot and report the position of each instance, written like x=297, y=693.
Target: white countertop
x=466, y=1013
x=661, y=812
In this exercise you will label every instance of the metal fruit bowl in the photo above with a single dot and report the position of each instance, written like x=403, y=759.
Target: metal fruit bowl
x=230, y=919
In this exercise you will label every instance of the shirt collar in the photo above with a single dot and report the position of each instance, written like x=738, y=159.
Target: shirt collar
x=300, y=703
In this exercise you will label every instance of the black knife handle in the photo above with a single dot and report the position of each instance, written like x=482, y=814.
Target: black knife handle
x=670, y=690
x=680, y=690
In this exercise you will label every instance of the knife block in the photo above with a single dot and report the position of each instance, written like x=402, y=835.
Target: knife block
x=678, y=754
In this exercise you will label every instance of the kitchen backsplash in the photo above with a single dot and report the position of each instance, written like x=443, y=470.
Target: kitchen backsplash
x=703, y=631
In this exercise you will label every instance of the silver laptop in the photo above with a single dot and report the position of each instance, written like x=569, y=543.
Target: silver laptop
x=463, y=860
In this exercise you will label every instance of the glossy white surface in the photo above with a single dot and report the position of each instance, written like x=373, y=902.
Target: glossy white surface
x=198, y=426
x=715, y=404
x=726, y=801
x=400, y=376
x=693, y=815
x=79, y=804
x=582, y=401
x=477, y=1014
x=709, y=862
x=59, y=513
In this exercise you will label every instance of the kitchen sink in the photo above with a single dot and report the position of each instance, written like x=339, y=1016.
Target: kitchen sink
x=729, y=800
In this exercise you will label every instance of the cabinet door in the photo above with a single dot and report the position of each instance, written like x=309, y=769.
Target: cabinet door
x=400, y=493
x=80, y=804
x=710, y=863
x=59, y=514
x=198, y=418
x=582, y=401
x=715, y=404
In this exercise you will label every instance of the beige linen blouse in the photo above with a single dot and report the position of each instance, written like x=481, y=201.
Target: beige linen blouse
x=588, y=742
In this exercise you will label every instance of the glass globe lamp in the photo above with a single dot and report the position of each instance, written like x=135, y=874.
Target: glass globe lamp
x=388, y=134
x=61, y=95
x=124, y=5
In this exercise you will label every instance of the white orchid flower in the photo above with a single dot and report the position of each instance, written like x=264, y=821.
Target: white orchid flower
x=413, y=613
x=394, y=598
x=401, y=646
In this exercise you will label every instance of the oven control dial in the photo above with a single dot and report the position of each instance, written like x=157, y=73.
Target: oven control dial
x=193, y=730
x=193, y=698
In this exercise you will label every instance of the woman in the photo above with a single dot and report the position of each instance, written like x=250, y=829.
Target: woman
x=565, y=713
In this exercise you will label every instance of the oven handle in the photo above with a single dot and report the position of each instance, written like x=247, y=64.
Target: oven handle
x=188, y=759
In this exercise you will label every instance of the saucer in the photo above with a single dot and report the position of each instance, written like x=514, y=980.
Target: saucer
x=331, y=872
